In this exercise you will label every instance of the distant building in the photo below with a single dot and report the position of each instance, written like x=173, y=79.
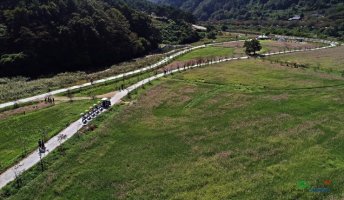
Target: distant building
x=296, y=17
x=263, y=37
x=199, y=28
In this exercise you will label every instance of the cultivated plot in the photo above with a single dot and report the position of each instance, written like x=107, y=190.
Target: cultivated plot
x=239, y=130
x=328, y=60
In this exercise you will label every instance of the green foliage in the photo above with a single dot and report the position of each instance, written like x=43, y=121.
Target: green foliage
x=211, y=35
x=56, y=36
x=244, y=9
x=224, y=28
x=207, y=53
x=160, y=10
x=177, y=32
x=12, y=58
x=252, y=46
x=3, y=30
x=318, y=16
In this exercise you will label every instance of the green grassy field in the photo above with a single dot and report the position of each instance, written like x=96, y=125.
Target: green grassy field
x=239, y=130
x=329, y=60
x=20, y=133
x=104, y=88
x=225, y=37
x=236, y=48
x=207, y=52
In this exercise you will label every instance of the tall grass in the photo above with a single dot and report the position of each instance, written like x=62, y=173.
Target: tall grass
x=21, y=87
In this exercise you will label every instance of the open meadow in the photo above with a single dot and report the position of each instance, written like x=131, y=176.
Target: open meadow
x=239, y=130
x=207, y=52
x=225, y=37
x=20, y=132
x=329, y=60
x=236, y=49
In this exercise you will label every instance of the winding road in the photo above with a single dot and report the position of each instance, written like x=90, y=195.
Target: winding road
x=34, y=158
x=123, y=75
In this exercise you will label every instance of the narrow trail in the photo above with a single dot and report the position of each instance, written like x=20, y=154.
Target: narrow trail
x=34, y=158
x=116, y=77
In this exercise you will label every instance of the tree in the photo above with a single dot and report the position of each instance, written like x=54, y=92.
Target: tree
x=211, y=35
x=252, y=46
x=224, y=27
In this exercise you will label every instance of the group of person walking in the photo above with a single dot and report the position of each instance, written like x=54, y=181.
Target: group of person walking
x=49, y=100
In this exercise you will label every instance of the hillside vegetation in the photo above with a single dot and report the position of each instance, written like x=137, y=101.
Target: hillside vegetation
x=323, y=17
x=45, y=36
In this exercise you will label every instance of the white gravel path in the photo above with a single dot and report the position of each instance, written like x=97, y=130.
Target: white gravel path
x=119, y=76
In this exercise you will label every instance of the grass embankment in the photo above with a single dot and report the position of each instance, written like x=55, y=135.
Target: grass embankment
x=239, y=130
x=20, y=133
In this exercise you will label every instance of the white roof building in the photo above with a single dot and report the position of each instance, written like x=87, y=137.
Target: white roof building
x=296, y=17
x=200, y=28
x=263, y=37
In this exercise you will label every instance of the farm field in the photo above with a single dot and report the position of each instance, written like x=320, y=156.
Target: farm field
x=235, y=48
x=329, y=60
x=273, y=46
x=21, y=132
x=225, y=37
x=207, y=52
x=239, y=130
x=270, y=46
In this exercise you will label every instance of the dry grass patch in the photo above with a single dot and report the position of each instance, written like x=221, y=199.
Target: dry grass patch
x=24, y=110
x=329, y=60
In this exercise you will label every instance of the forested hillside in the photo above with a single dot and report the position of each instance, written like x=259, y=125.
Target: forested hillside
x=327, y=16
x=47, y=36
x=161, y=10
x=246, y=9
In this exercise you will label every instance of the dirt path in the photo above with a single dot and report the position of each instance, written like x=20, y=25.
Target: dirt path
x=66, y=99
x=107, y=95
